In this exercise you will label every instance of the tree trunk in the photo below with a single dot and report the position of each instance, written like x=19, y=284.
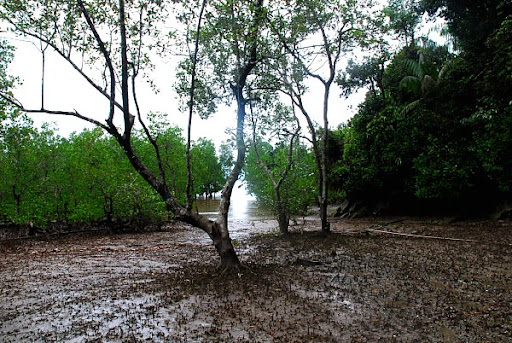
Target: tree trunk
x=224, y=247
x=326, y=227
x=217, y=230
x=283, y=219
x=17, y=199
x=324, y=191
x=220, y=233
x=318, y=150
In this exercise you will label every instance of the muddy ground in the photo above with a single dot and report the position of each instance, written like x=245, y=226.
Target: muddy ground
x=354, y=285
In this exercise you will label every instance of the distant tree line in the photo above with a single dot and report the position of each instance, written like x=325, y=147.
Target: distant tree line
x=86, y=178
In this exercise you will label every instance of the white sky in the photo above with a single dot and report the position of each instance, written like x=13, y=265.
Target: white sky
x=65, y=89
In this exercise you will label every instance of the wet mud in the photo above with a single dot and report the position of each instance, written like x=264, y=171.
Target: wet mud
x=353, y=285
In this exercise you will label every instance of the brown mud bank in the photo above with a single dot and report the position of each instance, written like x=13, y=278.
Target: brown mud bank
x=354, y=285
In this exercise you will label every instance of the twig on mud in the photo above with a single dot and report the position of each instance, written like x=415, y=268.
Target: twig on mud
x=419, y=236
x=304, y=262
x=424, y=236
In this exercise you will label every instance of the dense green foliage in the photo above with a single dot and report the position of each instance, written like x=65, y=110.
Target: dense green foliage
x=435, y=127
x=298, y=188
x=438, y=130
x=208, y=177
x=86, y=177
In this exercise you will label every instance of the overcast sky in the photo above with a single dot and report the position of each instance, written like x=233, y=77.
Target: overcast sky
x=65, y=89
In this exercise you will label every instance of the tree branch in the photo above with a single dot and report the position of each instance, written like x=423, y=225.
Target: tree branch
x=194, y=58
x=74, y=113
x=290, y=151
x=108, y=61
x=148, y=134
x=258, y=156
x=128, y=118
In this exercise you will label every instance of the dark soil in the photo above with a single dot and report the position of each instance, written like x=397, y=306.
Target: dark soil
x=354, y=285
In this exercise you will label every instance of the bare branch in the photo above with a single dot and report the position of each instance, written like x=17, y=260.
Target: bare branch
x=74, y=113
x=148, y=134
x=194, y=58
x=290, y=151
x=76, y=67
x=108, y=61
x=128, y=118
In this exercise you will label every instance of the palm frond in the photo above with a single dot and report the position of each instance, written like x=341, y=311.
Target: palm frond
x=411, y=107
x=428, y=85
x=442, y=72
x=415, y=68
x=411, y=84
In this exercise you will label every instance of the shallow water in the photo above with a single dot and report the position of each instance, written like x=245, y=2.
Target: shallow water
x=245, y=218
x=240, y=209
x=243, y=206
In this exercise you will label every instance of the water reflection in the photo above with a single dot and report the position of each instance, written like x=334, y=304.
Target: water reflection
x=241, y=209
x=243, y=206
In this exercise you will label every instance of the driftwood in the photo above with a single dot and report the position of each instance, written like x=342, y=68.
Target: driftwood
x=411, y=235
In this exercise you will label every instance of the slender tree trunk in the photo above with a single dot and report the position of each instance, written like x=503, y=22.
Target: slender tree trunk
x=318, y=152
x=17, y=199
x=220, y=235
x=324, y=191
x=108, y=208
x=283, y=218
x=194, y=58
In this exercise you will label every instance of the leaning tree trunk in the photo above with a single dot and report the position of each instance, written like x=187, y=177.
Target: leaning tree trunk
x=217, y=230
x=220, y=232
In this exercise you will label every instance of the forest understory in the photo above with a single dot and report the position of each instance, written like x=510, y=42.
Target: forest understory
x=357, y=284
